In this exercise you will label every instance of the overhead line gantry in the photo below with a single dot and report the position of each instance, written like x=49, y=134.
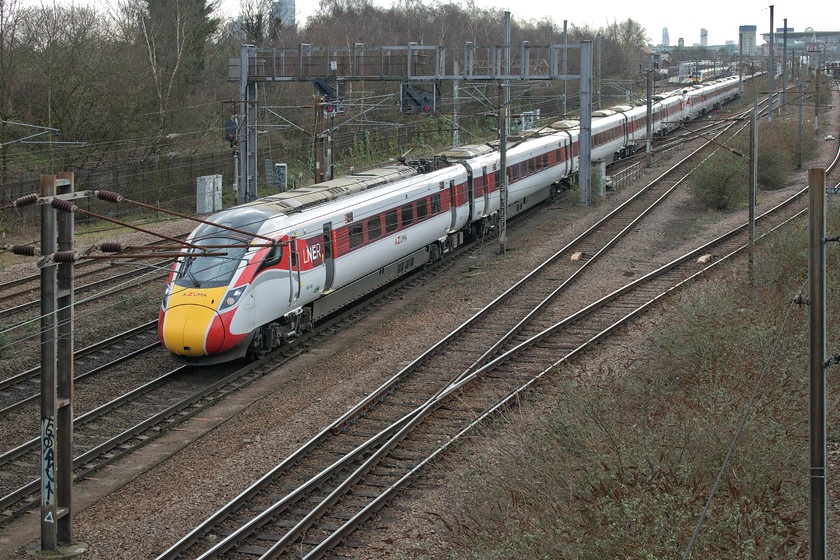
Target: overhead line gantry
x=406, y=64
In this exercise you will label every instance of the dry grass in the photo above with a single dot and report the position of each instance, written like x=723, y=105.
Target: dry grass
x=620, y=461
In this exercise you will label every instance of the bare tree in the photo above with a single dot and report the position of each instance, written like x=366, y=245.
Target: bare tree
x=9, y=61
x=173, y=35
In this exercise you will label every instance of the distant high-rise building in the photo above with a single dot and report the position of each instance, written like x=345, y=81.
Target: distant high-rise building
x=747, y=39
x=704, y=38
x=666, y=41
x=283, y=13
x=680, y=42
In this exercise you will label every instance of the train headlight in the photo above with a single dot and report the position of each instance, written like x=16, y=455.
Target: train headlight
x=232, y=297
x=166, y=295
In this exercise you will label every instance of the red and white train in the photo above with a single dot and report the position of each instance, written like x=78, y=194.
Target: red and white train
x=283, y=262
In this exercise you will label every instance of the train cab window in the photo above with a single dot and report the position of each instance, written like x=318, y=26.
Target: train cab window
x=435, y=203
x=407, y=215
x=391, y=221
x=357, y=235
x=272, y=258
x=374, y=227
x=422, y=209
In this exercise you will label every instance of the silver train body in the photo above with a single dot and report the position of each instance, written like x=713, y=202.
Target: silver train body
x=299, y=256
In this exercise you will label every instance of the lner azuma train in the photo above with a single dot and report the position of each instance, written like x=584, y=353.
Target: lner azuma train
x=273, y=267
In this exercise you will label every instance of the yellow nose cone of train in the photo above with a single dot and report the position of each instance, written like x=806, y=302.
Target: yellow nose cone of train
x=188, y=319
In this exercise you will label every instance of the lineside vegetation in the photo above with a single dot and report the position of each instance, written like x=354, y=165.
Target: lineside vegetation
x=619, y=460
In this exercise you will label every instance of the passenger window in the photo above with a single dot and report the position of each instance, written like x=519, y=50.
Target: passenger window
x=374, y=227
x=407, y=215
x=327, y=243
x=422, y=209
x=435, y=203
x=391, y=221
x=478, y=187
x=357, y=236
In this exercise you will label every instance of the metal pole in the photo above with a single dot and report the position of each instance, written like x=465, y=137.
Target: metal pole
x=649, y=139
x=504, y=117
x=817, y=98
x=771, y=70
x=753, y=184
x=507, y=61
x=320, y=152
x=565, y=60
x=241, y=120
x=49, y=352
x=816, y=329
x=329, y=157
x=248, y=118
x=801, y=103
x=784, y=67
x=740, y=64
x=598, y=70
x=64, y=380
x=585, y=139
x=236, y=199
x=455, y=106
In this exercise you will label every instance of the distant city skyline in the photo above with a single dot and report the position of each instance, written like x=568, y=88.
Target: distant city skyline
x=721, y=19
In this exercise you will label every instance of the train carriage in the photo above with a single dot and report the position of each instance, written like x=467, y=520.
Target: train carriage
x=276, y=265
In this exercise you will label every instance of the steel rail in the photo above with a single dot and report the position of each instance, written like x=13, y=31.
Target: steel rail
x=386, y=439
x=34, y=372
x=418, y=415
x=370, y=401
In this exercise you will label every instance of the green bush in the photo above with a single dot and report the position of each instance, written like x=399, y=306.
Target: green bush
x=719, y=182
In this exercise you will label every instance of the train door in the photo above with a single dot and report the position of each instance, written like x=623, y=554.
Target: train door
x=329, y=263
x=294, y=270
x=487, y=183
x=453, y=201
x=470, y=193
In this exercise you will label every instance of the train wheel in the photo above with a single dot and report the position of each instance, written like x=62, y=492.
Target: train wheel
x=305, y=323
x=434, y=253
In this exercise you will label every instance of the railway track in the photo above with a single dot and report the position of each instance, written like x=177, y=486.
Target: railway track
x=102, y=284
x=23, y=388
x=30, y=284
x=376, y=426
x=123, y=425
x=85, y=462
x=316, y=497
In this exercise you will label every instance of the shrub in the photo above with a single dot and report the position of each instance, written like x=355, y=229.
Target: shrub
x=620, y=461
x=718, y=182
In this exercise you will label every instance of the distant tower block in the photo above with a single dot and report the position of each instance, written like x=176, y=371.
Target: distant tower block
x=704, y=38
x=747, y=34
x=666, y=41
x=283, y=12
x=681, y=42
